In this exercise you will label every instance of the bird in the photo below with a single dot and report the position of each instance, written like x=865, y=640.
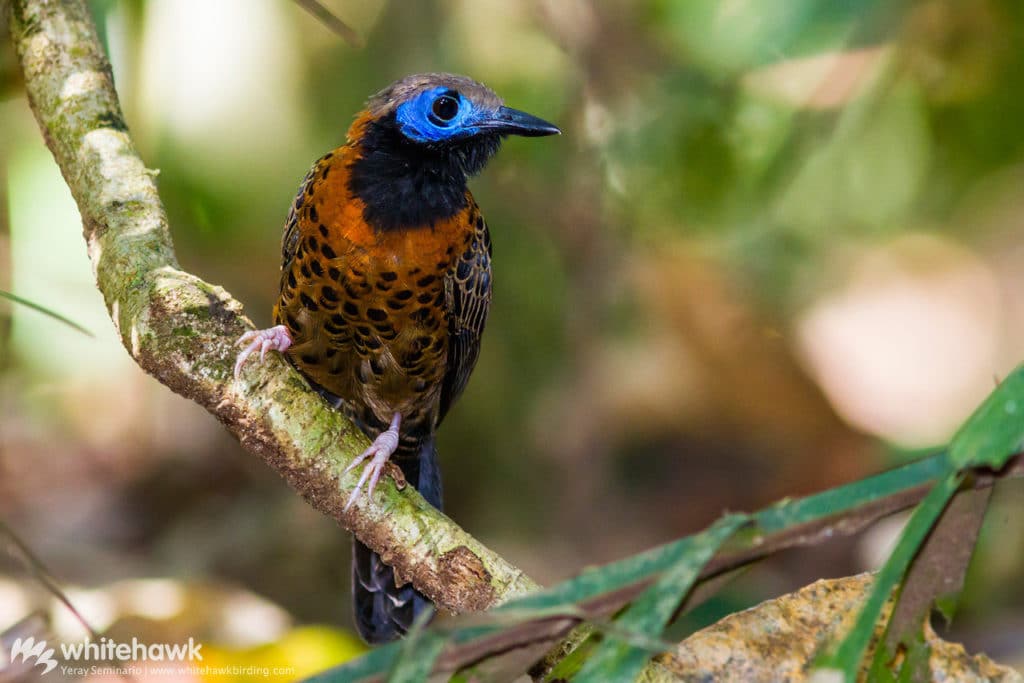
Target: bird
x=385, y=289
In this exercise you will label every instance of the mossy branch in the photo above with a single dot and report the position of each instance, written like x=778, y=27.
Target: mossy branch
x=182, y=330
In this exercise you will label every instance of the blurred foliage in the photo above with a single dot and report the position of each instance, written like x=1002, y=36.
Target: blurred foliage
x=777, y=247
x=45, y=311
x=300, y=653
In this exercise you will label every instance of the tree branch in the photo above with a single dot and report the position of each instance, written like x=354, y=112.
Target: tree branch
x=182, y=330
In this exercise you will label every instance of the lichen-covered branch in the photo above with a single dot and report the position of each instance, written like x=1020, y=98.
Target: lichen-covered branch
x=182, y=330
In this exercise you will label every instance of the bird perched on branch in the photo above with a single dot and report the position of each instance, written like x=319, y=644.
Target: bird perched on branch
x=385, y=287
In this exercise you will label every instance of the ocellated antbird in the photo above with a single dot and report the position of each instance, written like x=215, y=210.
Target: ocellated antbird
x=385, y=287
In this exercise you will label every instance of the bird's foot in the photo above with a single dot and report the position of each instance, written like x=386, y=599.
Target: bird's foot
x=381, y=449
x=272, y=339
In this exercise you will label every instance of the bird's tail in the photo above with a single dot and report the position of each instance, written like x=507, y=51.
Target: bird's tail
x=384, y=611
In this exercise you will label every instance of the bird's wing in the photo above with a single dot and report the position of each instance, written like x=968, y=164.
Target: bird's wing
x=467, y=299
x=314, y=271
x=292, y=233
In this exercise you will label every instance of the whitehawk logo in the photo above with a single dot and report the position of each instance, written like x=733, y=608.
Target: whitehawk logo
x=27, y=649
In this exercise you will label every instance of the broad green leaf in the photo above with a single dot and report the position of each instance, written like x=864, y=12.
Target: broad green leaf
x=616, y=660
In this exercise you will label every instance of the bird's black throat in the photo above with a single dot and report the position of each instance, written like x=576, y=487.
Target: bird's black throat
x=406, y=184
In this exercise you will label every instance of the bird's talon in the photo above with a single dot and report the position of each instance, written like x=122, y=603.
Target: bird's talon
x=358, y=459
x=272, y=339
x=381, y=449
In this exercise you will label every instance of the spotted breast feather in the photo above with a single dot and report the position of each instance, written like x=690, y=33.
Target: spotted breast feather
x=387, y=321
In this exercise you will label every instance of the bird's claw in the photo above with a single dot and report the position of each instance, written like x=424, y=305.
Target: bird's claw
x=272, y=339
x=381, y=449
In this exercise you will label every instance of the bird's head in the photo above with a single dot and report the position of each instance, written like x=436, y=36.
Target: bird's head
x=449, y=114
x=424, y=135
x=440, y=108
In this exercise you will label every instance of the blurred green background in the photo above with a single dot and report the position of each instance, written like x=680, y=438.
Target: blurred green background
x=779, y=246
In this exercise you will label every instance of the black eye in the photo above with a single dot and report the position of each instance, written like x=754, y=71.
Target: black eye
x=445, y=108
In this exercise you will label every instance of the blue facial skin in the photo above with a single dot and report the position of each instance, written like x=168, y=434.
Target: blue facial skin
x=418, y=122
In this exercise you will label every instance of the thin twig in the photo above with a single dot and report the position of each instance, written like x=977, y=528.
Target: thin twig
x=45, y=311
x=331, y=21
x=37, y=568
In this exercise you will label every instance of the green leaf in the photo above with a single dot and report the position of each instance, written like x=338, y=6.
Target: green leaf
x=992, y=434
x=45, y=311
x=916, y=668
x=846, y=659
x=939, y=569
x=837, y=501
x=996, y=429
x=618, y=660
x=571, y=664
x=371, y=666
x=418, y=652
x=595, y=582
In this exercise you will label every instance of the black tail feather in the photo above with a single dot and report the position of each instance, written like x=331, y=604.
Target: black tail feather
x=384, y=611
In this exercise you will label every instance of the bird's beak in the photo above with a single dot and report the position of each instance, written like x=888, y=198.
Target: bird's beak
x=508, y=121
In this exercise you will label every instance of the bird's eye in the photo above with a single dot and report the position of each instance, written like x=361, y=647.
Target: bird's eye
x=445, y=108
